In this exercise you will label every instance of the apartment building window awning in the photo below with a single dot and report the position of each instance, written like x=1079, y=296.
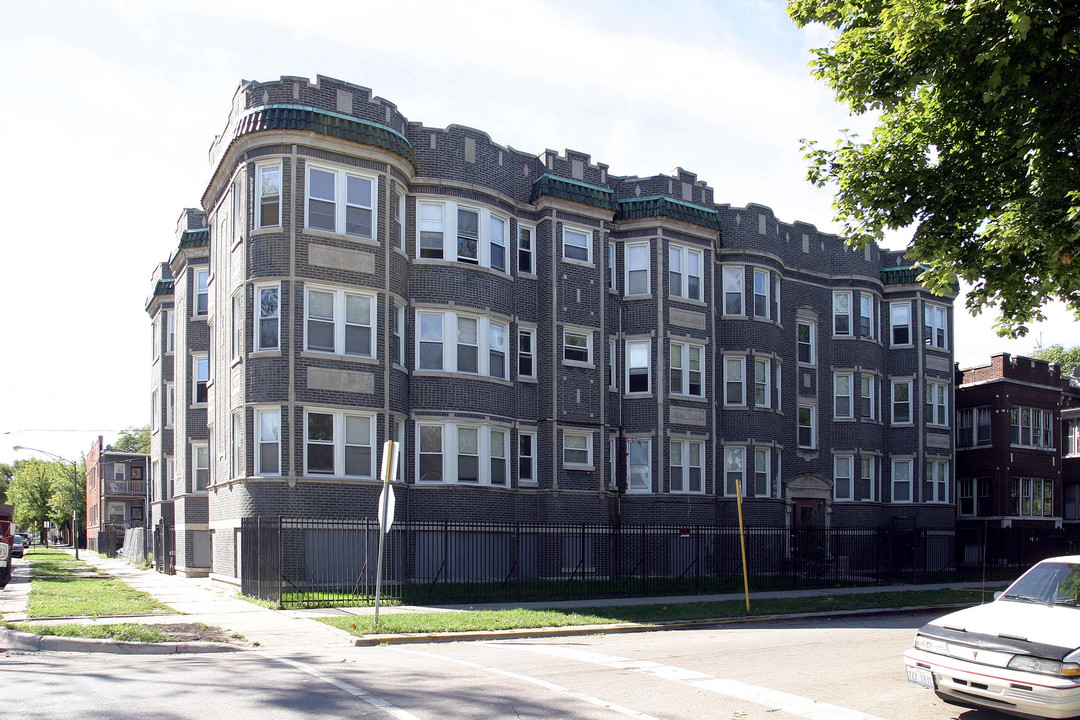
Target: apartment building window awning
x=574, y=191
x=660, y=206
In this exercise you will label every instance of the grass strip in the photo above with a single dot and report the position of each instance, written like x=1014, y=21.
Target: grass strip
x=130, y=632
x=521, y=619
x=63, y=587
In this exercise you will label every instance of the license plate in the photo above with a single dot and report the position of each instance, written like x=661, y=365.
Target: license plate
x=920, y=676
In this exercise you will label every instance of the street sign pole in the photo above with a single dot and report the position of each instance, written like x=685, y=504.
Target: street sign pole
x=386, y=512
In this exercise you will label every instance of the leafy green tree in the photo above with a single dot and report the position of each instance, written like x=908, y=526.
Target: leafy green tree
x=134, y=440
x=976, y=144
x=6, y=473
x=63, y=495
x=1066, y=358
x=31, y=491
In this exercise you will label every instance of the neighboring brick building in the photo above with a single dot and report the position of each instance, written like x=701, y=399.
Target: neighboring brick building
x=1012, y=445
x=514, y=319
x=116, y=494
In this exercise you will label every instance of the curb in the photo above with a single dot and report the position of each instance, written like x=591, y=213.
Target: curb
x=29, y=642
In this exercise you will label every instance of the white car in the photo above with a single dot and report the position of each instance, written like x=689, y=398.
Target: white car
x=1019, y=654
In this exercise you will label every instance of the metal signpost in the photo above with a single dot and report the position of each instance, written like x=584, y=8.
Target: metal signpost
x=386, y=511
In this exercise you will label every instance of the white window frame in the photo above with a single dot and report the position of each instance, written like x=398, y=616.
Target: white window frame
x=937, y=481
x=733, y=378
x=262, y=318
x=639, y=461
x=529, y=353
x=170, y=332
x=681, y=370
x=909, y=481
x=734, y=279
x=1038, y=427
x=762, y=300
x=339, y=443
x=588, y=349
x=868, y=396
x=613, y=364
x=762, y=382
x=894, y=402
x=263, y=416
x=840, y=298
x=843, y=471
x=339, y=320
x=872, y=462
x=612, y=280
x=840, y=398
x=399, y=220
x=582, y=444
x=809, y=343
x=397, y=335
x=895, y=323
x=236, y=459
x=170, y=404
x=809, y=413
x=197, y=379
x=261, y=170
x=937, y=403
x=636, y=351
x=763, y=472
x=340, y=200
x=526, y=248
x=634, y=269
x=399, y=437
x=202, y=292
x=683, y=464
x=866, y=316
x=527, y=460
x=680, y=272
x=448, y=323
x=200, y=465
x=570, y=242
x=936, y=326
x=734, y=468
x=237, y=325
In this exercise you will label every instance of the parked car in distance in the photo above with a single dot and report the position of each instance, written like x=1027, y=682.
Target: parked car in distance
x=28, y=539
x=17, y=546
x=1019, y=654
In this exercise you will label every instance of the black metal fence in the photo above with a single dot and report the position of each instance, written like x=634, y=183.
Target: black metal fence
x=310, y=562
x=164, y=548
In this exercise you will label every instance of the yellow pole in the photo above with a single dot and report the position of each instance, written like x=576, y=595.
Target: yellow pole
x=742, y=544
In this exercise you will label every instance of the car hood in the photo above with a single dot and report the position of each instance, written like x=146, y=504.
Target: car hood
x=1011, y=626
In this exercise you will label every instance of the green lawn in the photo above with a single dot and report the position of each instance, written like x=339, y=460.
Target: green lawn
x=64, y=587
x=517, y=619
x=131, y=632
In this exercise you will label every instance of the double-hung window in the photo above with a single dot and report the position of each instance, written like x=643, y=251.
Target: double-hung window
x=842, y=313
x=866, y=315
x=807, y=427
x=237, y=326
x=902, y=480
x=467, y=454
x=202, y=292
x=1032, y=427
x=397, y=336
x=762, y=472
x=526, y=457
x=526, y=353
x=734, y=278
x=935, y=326
x=901, y=402
x=170, y=332
x=937, y=403
x=805, y=340
x=479, y=344
x=761, y=294
x=341, y=202
x=687, y=466
x=525, y=250
x=735, y=380
x=867, y=397
x=900, y=323
x=200, y=464
x=762, y=382
x=639, y=466
x=449, y=230
x=937, y=481
x=577, y=346
x=468, y=236
x=268, y=185
x=577, y=245
x=638, y=366
x=734, y=471
x=868, y=478
x=201, y=375
x=612, y=283
x=684, y=272
x=339, y=322
x=842, y=395
x=170, y=404
x=399, y=219
x=577, y=449
x=268, y=307
x=687, y=369
x=843, y=480
x=431, y=228
x=638, y=259
x=338, y=444
x=268, y=441
x=1033, y=497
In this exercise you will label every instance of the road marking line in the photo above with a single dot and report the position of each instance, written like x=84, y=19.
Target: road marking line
x=349, y=688
x=772, y=699
x=535, y=681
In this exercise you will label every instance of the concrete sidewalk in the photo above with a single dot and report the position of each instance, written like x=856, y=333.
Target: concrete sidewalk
x=201, y=601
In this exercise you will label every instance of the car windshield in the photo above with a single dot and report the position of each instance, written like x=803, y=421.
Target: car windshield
x=1053, y=583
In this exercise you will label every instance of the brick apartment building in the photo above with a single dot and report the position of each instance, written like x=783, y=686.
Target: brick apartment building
x=116, y=494
x=547, y=341
x=1017, y=445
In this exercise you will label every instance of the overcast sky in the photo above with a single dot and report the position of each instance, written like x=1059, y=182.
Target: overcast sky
x=109, y=110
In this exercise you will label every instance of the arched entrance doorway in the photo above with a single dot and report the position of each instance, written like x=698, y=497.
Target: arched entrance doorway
x=808, y=497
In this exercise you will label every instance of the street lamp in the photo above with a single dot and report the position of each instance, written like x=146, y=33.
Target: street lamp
x=74, y=493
